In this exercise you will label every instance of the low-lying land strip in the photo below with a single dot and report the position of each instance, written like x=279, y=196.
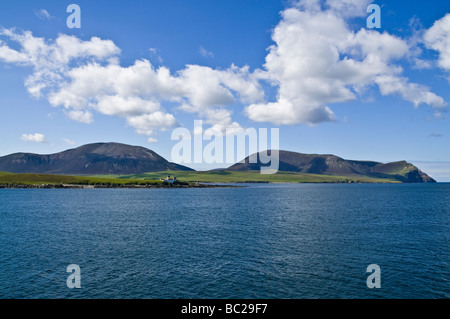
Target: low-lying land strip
x=11, y=180
x=251, y=177
x=186, y=179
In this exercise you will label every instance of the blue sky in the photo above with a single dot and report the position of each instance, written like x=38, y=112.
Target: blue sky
x=136, y=70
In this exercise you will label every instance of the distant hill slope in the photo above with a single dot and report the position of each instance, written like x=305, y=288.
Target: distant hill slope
x=91, y=159
x=334, y=165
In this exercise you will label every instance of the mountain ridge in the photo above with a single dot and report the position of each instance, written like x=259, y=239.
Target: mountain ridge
x=95, y=158
x=122, y=159
x=328, y=164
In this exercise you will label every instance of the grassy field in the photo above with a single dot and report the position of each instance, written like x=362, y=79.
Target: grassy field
x=236, y=177
x=206, y=177
x=45, y=179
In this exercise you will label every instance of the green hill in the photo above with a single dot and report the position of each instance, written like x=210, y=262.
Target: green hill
x=115, y=163
x=90, y=159
x=331, y=165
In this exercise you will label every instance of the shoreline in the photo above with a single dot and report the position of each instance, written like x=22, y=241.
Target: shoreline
x=74, y=186
x=171, y=186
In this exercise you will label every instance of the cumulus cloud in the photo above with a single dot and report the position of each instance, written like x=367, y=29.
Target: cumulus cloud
x=50, y=60
x=11, y=56
x=146, y=123
x=411, y=92
x=85, y=77
x=223, y=87
x=139, y=89
x=80, y=116
x=438, y=38
x=37, y=138
x=318, y=60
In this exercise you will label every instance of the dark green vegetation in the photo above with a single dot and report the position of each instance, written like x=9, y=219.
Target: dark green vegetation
x=256, y=177
x=121, y=165
x=332, y=165
x=186, y=179
x=91, y=159
x=16, y=180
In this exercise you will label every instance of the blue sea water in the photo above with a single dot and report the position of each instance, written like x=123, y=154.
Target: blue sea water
x=261, y=241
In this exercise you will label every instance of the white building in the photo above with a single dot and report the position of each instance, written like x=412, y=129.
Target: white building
x=170, y=180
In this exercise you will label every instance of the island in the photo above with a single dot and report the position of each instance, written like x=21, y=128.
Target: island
x=115, y=165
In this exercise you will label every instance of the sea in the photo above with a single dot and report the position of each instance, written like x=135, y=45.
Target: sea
x=258, y=241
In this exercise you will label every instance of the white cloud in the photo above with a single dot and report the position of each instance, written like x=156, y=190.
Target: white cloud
x=138, y=89
x=43, y=14
x=11, y=56
x=223, y=87
x=154, y=53
x=205, y=53
x=81, y=116
x=37, y=138
x=349, y=8
x=69, y=142
x=415, y=42
x=120, y=106
x=146, y=124
x=317, y=60
x=51, y=59
x=412, y=92
x=97, y=82
x=438, y=39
